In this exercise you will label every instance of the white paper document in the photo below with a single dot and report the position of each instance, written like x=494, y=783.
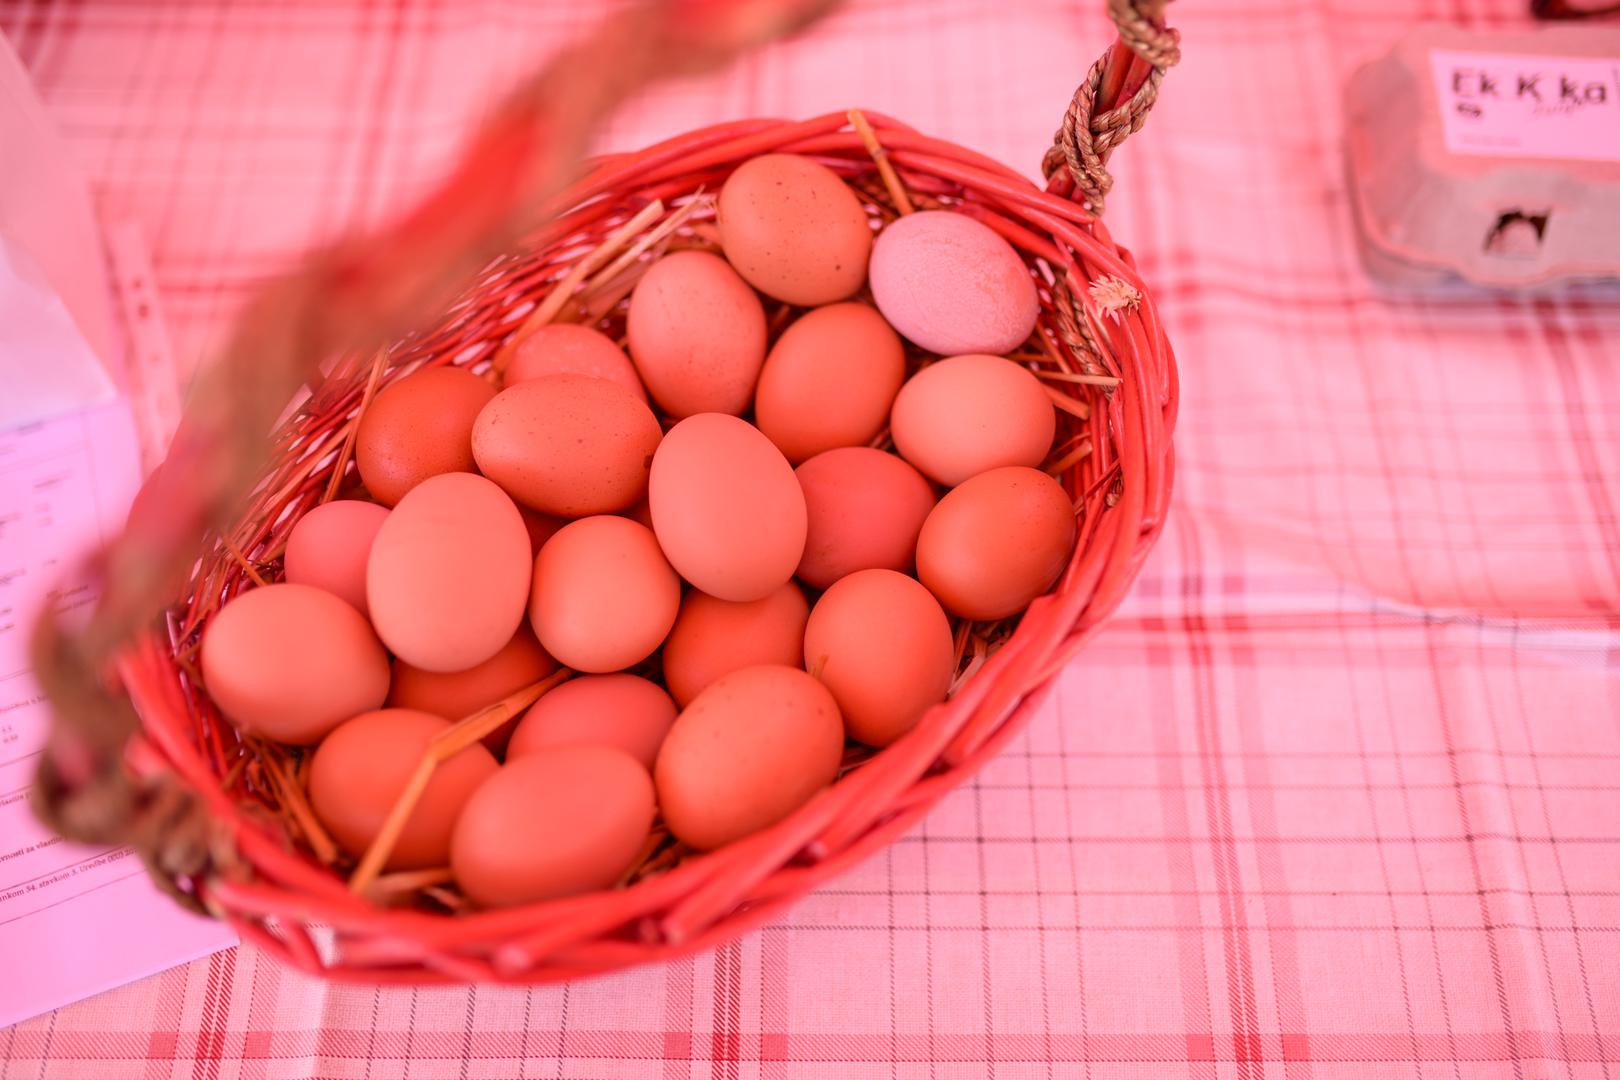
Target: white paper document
x=73, y=920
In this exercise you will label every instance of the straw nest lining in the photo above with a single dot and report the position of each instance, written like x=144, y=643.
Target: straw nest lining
x=1099, y=348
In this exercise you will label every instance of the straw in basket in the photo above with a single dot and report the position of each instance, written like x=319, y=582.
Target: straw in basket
x=140, y=756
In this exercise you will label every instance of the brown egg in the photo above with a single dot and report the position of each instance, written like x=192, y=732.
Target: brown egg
x=726, y=507
x=329, y=546
x=625, y=712
x=697, y=335
x=794, y=230
x=968, y=414
x=419, y=427
x=864, y=510
x=715, y=637
x=829, y=381
x=361, y=769
x=604, y=596
x=456, y=695
x=291, y=662
x=449, y=573
x=558, y=822
x=569, y=445
x=751, y=748
x=570, y=349
x=996, y=542
x=880, y=642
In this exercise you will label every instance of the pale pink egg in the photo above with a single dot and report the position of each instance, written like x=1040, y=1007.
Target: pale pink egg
x=952, y=284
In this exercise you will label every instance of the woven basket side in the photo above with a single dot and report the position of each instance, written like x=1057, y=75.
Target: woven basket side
x=1122, y=487
x=205, y=807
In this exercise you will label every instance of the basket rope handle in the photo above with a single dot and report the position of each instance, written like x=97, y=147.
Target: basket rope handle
x=1113, y=101
x=363, y=292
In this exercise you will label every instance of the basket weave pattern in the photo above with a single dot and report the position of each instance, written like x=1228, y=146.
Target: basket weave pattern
x=1099, y=341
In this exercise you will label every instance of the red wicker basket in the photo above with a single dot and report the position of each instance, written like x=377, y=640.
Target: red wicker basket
x=218, y=816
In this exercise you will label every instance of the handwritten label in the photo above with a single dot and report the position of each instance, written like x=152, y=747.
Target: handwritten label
x=1513, y=105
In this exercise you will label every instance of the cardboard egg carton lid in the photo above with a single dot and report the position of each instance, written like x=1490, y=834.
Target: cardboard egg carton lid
x=1490, y=158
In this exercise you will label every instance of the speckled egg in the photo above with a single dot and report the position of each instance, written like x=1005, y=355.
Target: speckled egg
x=568, y=445
x=697, y=335
x=794, y=230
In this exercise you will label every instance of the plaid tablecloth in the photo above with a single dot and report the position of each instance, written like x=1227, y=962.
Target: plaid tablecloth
x=1338, y=794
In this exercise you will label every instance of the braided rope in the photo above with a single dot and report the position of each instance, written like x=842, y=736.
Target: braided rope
x=1075, y=330
x=1087, y=138
x=1158, y=45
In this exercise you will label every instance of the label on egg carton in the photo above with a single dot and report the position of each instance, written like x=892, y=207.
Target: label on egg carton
x=1512, y=105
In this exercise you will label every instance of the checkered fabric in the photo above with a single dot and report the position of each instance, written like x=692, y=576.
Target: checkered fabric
x=1336, y=795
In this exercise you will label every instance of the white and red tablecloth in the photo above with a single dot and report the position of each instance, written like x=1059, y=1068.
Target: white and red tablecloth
x=1337, y=794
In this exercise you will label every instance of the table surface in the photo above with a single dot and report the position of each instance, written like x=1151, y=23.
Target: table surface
x=1336, y=793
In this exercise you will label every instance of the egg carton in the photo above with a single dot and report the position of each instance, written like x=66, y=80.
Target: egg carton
x=1489, y=159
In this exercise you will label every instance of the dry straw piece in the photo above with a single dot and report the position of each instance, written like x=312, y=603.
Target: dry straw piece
x=223, y=822
x=441, y=748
